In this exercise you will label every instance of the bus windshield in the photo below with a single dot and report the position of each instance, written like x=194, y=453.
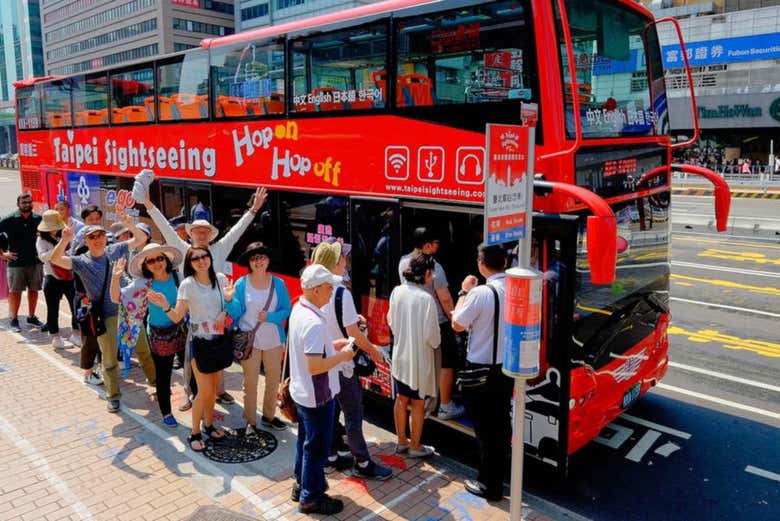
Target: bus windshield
x=620, y=83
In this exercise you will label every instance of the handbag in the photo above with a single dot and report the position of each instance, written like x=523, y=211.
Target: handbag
x=216, y=353
x=243, y=341
x=364, y=366
x=284, y=399
x=61, y=273
x=475, y=376
x=90, y=314
x=168, y=340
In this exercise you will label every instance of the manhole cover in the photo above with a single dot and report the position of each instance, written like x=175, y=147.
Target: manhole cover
x=212, y=513
x=237, y=448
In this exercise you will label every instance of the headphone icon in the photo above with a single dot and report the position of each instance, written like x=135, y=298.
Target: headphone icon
x=477, y=167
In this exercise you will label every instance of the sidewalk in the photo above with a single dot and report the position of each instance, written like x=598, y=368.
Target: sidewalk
x=62, y=456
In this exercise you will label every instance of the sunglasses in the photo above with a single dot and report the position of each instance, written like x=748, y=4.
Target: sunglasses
x=199, y=257
x=154, y=260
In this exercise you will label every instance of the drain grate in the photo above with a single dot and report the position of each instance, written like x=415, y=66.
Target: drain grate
x=237, y=448
x=214, y=513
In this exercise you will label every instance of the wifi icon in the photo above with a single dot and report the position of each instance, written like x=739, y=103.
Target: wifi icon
x=397, y=162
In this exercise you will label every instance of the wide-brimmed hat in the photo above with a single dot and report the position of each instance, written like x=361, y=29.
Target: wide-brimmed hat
x=198, y=223
x=255, y=248
x=149, y=250
x=118, y=228
x=51, y=222
x=328, y=252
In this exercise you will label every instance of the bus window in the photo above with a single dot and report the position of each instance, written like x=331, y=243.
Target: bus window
x=132, y=96
x=248, y=80
x=183, y=87
x=90, y=100
x=57, y=104
x=338, y=70
x=612, y=44
x=478, y=54
x=28, y=107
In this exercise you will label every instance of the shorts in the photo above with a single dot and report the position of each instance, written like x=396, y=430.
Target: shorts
x=404, y=390
x=450, y=353
x=25, y=278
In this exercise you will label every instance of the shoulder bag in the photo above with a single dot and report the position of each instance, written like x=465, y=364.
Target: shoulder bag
x=89, y=315
x=213, y=354
x=475, y=376
x=243, y=341
x=168, y=340
x=283, y=397
x=364, y=366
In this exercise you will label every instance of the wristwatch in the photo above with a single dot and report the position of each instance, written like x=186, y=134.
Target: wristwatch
x=166, y=311
x=462, y=293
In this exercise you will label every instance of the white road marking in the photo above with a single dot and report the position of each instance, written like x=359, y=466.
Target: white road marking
x=267, y=508
x=729, y=269
x=643, y=445
x=720, y=401
x=724, y=306
x=617, y=439
x=725, y=376
x=656, y=426
x=722, y=236
x=666, y=449
x=711, y=216
x=41, y=465
x=763, y=473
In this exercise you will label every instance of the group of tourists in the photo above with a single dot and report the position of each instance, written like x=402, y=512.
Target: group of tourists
x=171, y=305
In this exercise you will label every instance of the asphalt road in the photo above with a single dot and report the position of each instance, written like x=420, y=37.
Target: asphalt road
x=704, y=444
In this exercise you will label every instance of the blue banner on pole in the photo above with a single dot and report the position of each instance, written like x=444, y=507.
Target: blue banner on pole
x=83, y=190
x=724, y=50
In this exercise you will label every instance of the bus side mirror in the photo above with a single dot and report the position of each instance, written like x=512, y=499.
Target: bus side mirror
x=602, y=248
x=722, y=207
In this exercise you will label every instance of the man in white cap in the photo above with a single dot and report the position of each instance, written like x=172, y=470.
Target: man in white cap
x=314, y=383
x=202, y=233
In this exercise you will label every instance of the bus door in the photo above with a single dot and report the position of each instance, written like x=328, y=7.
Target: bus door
x=55, y=185
x=546, y=423
x=376, y=250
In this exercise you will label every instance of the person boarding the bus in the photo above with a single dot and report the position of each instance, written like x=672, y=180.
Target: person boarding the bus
x=342, y=320
x=425, y=241
x=314, y=383
x=480, y=311
x=94, y=268
x=25, y=271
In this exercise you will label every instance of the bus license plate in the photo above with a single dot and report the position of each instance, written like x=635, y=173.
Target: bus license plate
x=631, y=395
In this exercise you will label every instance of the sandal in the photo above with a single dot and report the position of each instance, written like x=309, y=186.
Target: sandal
x=192, y=438
x=211, y=432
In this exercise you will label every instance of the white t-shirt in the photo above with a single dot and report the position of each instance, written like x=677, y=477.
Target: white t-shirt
x=437, y=282
x=476, y=315
x=205, y=304
x=267, y=335
x=309, y=336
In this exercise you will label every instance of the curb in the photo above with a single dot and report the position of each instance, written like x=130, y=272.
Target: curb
x=744, y=194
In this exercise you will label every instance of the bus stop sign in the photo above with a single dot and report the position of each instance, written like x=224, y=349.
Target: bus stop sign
x=508, y=198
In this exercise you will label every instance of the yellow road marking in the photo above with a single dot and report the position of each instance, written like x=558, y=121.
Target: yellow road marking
x=742, y=256
x=727, y=242
x=728, y=284
x=683, y=283
x=704, y=336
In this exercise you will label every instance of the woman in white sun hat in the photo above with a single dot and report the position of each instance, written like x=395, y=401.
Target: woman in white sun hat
x=57, y=282
x=155, y=268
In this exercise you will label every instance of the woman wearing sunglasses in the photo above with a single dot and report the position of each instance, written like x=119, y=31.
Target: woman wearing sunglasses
x=154, y=268
x=260, y=307
x=202, y=294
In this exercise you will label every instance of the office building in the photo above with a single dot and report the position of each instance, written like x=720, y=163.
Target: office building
x=259, y=13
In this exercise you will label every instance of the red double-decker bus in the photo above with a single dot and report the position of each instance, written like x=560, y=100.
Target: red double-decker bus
x=367, y=123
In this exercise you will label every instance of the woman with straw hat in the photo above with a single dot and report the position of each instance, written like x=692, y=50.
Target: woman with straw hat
x=57, y=281
x=154, y=268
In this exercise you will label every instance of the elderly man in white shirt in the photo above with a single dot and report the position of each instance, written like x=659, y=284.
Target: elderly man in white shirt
x=480, y=310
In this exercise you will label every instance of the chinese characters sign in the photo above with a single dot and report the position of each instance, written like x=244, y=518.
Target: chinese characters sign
x=725, y=50
x=507, y=202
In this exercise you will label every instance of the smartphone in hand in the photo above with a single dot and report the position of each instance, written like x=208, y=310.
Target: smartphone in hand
x=351, y=344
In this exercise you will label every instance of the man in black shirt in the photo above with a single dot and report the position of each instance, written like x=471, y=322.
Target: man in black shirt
x=25, y=271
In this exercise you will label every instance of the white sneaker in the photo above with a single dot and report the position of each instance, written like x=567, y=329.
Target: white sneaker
x=450, y=411
x=58, y=343
x=93, y=379
x=75, y=339
x=424, y=451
